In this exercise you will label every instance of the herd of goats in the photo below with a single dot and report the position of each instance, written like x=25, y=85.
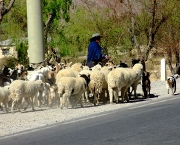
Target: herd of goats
x=68, y=84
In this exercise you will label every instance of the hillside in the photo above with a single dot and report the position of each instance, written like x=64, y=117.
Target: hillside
x=117, y=6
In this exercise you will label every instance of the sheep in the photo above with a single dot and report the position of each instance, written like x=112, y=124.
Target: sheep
x=77, y=67
x=26, y=90
x=71, y=71
x=43, y=96
x=138, y=67
x=36, y=76
x=65, y=73
x=120, y=79
x=105, y=70
x=53, y=95
x=85, y=68
x=97, y=80
x=100, y=73
x=4, y=94
x=70, y=89
x=96, y=67
x=42, y=71
x=86, y=72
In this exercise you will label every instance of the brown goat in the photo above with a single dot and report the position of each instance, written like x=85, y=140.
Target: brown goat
x=146, y=84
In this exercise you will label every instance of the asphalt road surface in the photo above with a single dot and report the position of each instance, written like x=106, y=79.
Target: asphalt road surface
x=155, y=122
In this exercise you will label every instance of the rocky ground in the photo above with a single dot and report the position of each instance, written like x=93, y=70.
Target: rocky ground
x=21, y=121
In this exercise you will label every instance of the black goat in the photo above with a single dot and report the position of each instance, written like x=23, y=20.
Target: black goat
x=146, y=84
x=134, y=61
x=122, y=64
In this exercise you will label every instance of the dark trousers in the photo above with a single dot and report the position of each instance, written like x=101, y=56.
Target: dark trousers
x=91, y=64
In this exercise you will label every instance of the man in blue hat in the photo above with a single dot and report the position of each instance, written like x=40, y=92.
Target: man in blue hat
x=95, y=54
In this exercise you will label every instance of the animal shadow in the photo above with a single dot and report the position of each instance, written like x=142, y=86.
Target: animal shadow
x=36, y=110
x=153, y=96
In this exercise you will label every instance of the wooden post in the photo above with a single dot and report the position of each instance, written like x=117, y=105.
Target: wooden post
x=163, y=70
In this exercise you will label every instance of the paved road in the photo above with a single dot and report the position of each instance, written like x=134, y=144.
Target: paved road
x=155, y=122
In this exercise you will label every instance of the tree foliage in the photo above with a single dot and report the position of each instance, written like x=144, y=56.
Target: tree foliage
x=54, y=13
x=124, y=25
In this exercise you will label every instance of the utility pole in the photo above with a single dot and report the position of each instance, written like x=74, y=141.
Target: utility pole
x=35, y=32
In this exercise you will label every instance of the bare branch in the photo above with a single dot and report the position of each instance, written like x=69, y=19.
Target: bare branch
x=3, y=10
x=48, y=20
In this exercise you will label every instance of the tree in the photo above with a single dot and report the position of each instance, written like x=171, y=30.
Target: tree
x=169, y=37
x=104, y=17
x=15, y=23
x=54, y=12
x=3, y=10
x=147, y=21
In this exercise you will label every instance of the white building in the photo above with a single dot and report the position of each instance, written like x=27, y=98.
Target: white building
x=7, y=49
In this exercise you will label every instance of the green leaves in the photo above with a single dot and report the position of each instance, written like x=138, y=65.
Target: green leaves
x=70, y=26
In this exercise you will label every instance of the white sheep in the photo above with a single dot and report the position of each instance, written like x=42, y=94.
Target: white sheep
x=105, y=94
x=53, y=96
x=70, y=90
x=86, y=72
x=120, y=79
x=85, y=68
x=71, y=71
x=4, y=94
x=26, y=90
x=77, y=67
x=138, y=67
x=96, y=67
x=65, y=73
x=96, y=85
x=43, y=71
x=43, y=95
x=98, y=81
x=36, y=76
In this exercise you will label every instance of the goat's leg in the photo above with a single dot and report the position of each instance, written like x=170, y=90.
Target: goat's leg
x=25, y=100
x=5, y=105
x=31, y=100
x=95, y=99
x=12, y=107
x=111, y=95
x=77, y=98
x=116, y=95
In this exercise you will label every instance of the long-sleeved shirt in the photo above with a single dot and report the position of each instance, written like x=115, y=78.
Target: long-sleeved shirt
x=94, y=52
